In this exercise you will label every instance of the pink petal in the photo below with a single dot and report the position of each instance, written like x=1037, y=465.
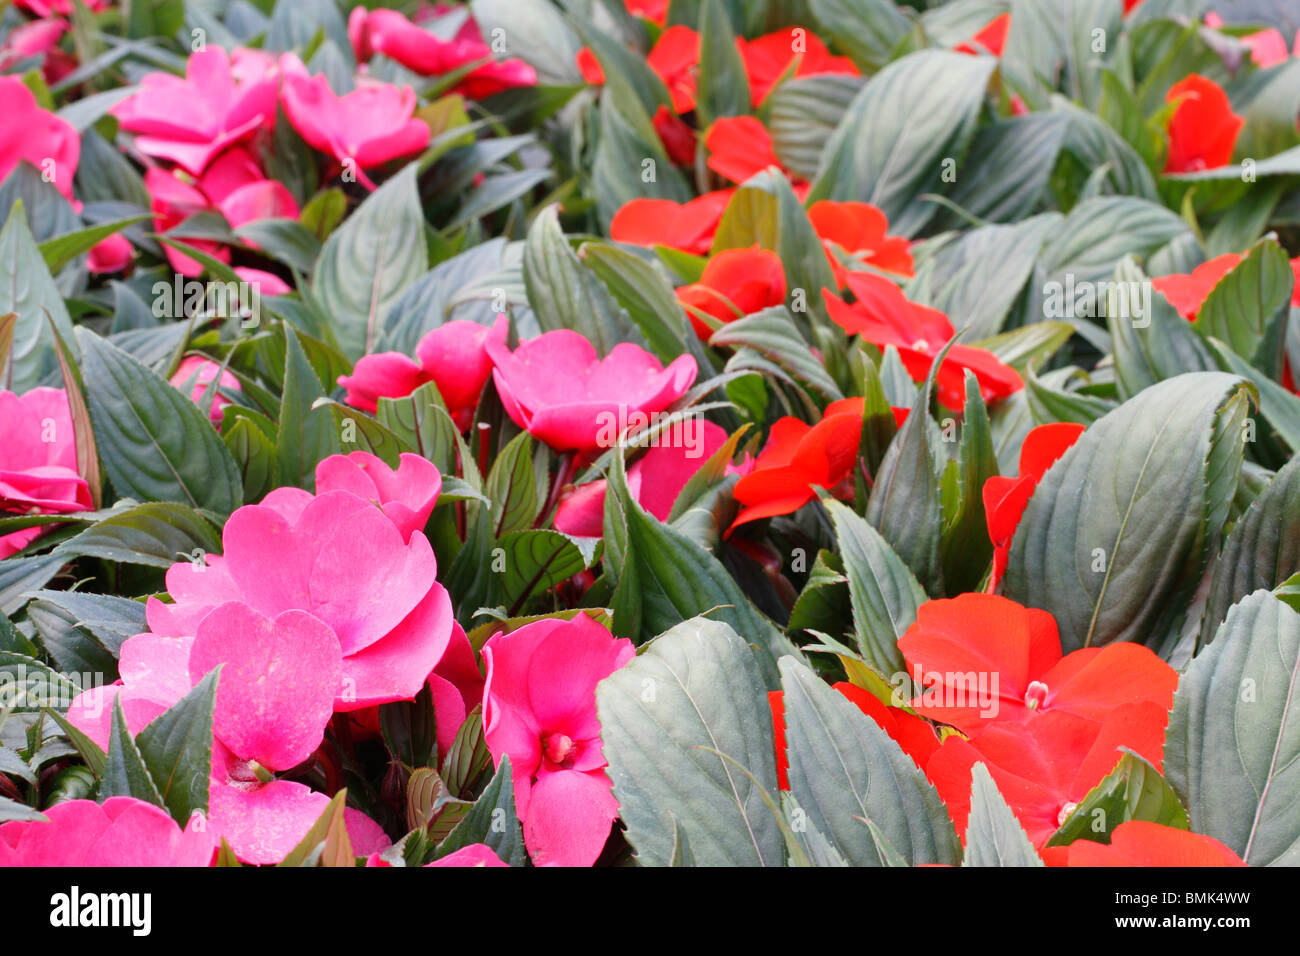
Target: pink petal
x=395, y=666
x=278, y=681
x=262, y=823
x=476, y=854
x=569, y=818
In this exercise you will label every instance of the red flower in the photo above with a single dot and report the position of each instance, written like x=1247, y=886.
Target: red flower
x=884, y=316
x=799, y=457
x=989, y=40
x=1203, y=129
x=915, y=736
x=686, y=226
x=1187, y=293
x=858, y=229
x=739, y=147
x=769, y=58
x=735, y=282
x=674, y=59
x=1005, y=498
x=1045, y=768
x=656, y=11
x=981, y=659
x=677, y=137
x=1141, y=843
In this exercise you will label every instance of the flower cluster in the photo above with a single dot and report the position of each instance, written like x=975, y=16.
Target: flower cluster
x=659, y=433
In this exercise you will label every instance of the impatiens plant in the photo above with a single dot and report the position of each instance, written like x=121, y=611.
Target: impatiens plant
x=649, y=432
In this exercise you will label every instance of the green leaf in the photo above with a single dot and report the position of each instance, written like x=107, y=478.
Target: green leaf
x=87, y=748
x=1118, y=531
x=564, y=295
x=177, y=749
x=644, y=293
x=31, y=684
x=905, y=505
x=1134, y=790
x=1261, y=551
x=1010, y=168
x=327, y=842
x=512, y=486
x=994, y=837
x=538, y=560
x=1152, y=346
x=1250, y=304
x=307, y=434
x=1279, y=406
x=802, y=112
x=890, y=147
x=59, y=250
x=1051, y=400
x=883, y=592
x=1282, y=164
x=12, y=810
x=667, y=578
x=1232, y=749
x=773, y=333
x=125, y=773
x=723, y=86
x=19, y=576
x=694, y=693
x=369, y=261
x=27, y=290
x=867, y=30
x=110, y=619
x=155, y=443
x=158, y=533
x=284, y=239
x=70, y=647
x=492, y=820
x=965, y=548
x=421, y=422
x=254, y=455
x=978, y=277
x=845, y=770
x=357, y=431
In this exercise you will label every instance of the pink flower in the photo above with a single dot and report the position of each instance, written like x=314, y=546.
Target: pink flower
x=457, y=687
x=38, y=461
x=405, y=496
x=44, y=8
x=232, y=185
x=110, y=255
x=368, y=127
x=337, y=556
x=30, y=133
x=266, y=283
x=476, y=854
x=539, y=708
x=1267, y=47
x=34, y=39
x=453, y=356
x=122, y=831
x=655, y=480
x=199, y=374
x=558, y=390
x=274, y=698
x=390, y=33
x=189, y=121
